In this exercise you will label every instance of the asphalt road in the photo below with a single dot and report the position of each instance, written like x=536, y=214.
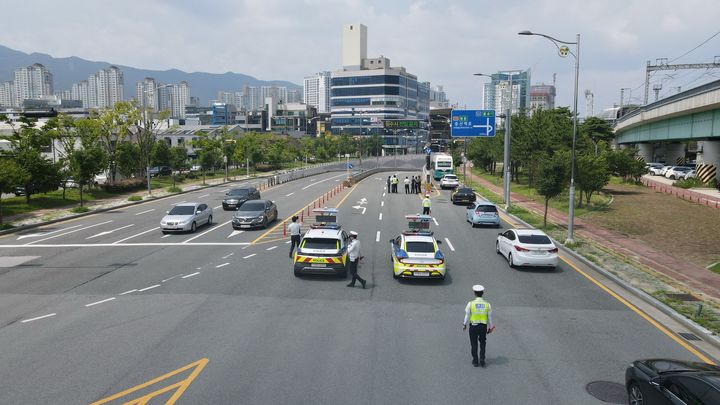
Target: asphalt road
x=131, y=305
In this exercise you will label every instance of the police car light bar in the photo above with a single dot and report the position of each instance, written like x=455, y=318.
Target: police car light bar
x=326, y=218
x=418, y=222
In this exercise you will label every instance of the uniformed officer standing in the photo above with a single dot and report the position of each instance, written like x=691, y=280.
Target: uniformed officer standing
x=479, y=313
x=353, y=250
x=294, y=229
x=426, y=204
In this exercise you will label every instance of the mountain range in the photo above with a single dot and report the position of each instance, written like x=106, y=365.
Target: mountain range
x=67, y=71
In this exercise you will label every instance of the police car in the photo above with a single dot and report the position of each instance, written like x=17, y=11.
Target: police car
x=415, y=253
x=323, y=248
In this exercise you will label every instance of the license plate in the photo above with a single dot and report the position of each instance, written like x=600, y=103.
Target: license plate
x=244, y=226
x=318, y=265
x=538, y=253
x=421, y=274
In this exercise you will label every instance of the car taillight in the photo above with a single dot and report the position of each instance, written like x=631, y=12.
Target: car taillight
x=553, y=250
x=521, y=249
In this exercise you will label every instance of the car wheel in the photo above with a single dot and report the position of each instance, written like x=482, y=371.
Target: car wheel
x=265, y=222
x=210, y=220
x=296, y=273
x=510, y=260
x=635, y=396
x=395, y=276
x=193, y=227
x=473, y=224
x=497, y=247
x=164, y=232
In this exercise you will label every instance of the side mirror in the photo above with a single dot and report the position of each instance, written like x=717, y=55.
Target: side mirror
x=167, y=212
x=500, y=234
x=227, y=193
x=439, y=242
x=655, y=381
x=198, y=212
x=392, y=241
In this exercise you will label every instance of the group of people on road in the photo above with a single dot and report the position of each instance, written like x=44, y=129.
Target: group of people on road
x=413, y=184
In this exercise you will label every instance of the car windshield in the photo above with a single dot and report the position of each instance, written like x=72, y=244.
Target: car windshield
x=448, y=177
x=535, y=239
x=465, y=191
x=182, y=210
x=420, y=247
x=486, y=208
x=321, y=243
x=253, y=206
x=443, y=164
x=239, y=192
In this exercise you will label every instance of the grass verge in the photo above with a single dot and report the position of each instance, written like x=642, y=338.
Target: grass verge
x=79, y=210
x=51, y=200
x=135, y=198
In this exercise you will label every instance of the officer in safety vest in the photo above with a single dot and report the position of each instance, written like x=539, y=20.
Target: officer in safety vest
x=426, y=204
x=479, y=313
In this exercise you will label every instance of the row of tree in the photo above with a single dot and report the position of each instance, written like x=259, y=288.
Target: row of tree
x=541, y=148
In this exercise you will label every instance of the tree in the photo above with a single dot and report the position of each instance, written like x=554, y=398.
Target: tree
x=127, y=159
x=11, y=175
x=591, y=175
x=552, y=179
x=209, y=150
x=85, y=164
x=115, y=127
x=161, y=154
x=598, y=130
x=178, y=160
x=622, y=163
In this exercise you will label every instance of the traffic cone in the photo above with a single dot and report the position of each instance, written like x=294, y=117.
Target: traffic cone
x=284, y=230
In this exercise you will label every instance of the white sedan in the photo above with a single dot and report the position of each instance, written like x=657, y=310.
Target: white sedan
x=449, y=181
x=527, y=247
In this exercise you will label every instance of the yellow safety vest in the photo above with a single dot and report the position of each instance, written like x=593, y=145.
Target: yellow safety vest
x=479, y=309
x=426, y=203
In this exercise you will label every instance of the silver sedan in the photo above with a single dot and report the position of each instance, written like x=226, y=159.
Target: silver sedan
x=186, y=217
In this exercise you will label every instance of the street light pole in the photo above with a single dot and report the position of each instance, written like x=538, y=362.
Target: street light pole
x=563, y=51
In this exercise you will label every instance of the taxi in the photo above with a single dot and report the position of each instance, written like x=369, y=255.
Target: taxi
x=323, y=248
x=415, y=253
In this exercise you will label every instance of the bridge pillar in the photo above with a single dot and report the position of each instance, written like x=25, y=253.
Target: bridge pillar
x=645, y=151
x=710, y=153
x=674, y=151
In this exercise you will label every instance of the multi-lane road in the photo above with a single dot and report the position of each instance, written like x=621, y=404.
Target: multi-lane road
x=107, y=309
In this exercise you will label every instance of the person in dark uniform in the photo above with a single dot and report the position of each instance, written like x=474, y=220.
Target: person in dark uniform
x=479, y=313
x=388, y=184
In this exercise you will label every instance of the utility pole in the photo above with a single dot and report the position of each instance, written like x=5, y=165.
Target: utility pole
x=662, y=64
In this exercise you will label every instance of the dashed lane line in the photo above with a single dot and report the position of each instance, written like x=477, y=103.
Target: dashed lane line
x=137, y=234
x=217, y=207
x=288, y=195
x=149, y=288
x=191, y=275
x=99, y=302
x=377, y=236
x=271, y=248
x=382, y=203
x=204, y=195
x=165, y=236
x=116, y=244
x=322, y=181
x=249, y=256
x=38, y=317
x=128, y=292
x=69, y=232
x=145, y=212
x=109, y=232
x=450, y=244
x=168, y=279
x=222, y=265
x=380, y=217
x=208, y=231
x=228, y=255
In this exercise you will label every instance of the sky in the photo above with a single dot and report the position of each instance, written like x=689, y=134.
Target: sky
x=443, y=42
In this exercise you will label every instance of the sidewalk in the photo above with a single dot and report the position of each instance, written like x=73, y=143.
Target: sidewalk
x=694, y=277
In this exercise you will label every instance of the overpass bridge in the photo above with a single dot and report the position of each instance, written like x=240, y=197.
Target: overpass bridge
x=662, y=131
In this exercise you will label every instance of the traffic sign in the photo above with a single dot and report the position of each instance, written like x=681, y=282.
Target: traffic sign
x=349, y=165
x=401, y=124
x=472, y=123
x=427, y=150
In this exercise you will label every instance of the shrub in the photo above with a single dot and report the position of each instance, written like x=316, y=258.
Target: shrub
x=5, y=226
x=192, y=175
x=174, y=189
x=135, y=198
x=264, y=167
x=689, y=183
x=124, y=185
x=181, y=177
x=79, y=210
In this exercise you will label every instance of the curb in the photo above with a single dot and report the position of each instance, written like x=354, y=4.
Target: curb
x=707, y=335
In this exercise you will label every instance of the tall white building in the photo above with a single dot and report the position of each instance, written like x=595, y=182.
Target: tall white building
x=31, y=82
x=104, y=88
x=180, y=99
x=79, y=91
x=504, y=86
x=146, y=93
x=316, y=91
x=6, y=94
x=354, y=46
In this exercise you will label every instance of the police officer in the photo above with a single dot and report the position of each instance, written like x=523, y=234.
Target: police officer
x=407, y=185
x=294, y=229
x=426, y=204
x=353, y=250
x=388, y=185
x=479, y=313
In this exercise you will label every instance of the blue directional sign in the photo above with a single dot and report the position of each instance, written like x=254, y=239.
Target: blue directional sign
x=428, y=150
x=349, y=165
x=472, y=123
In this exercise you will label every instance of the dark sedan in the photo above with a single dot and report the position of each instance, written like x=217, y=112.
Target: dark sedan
x=255, y=213
x=237, y=196
x=463, y=195
x=672, y=382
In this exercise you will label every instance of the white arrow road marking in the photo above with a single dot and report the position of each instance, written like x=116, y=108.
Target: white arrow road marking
x=138, y=234
x=450, y=244
x=362, y=201
x=357, y=207
x=234, y=233
x=165, y=236
x=109, y=232
x=34, y=235
x=377, y=236
x=69, y=232
x=39, y=317
x=145, y=212
x=100, y=302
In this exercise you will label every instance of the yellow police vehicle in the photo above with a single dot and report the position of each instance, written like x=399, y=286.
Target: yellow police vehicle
x=415, y=253
x=323, y=248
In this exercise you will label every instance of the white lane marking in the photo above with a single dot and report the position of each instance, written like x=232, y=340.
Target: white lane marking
x=383, y=194
x=109, y=232
x=149, y=288
x=191, y=275
x=221, y=265
x=450, y=244
x=337, y=180
x=217, y=207
x=116, y=244
x=288, y=195
x=382, y=203
x=208, y=231
x=234, y=233
x=324, y=180
x=39, y=317
x=138, y=234
x=226, y=256
x=69, y=232
x=377, y=236
x=380, y=217
x=436, y=223
x=204, y=195
x=100, y=302
x=168, y=279
x=224, y=191
x=128, y=291
x=288, y=242
x=165, y=236
x=178, y=203
x=249, y=256
x=145, y=212
x=271, y=248
x=35, y=235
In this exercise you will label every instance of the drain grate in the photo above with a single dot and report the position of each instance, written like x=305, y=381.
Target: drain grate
x=682, y=297
x=689, y=336
x=608, y=391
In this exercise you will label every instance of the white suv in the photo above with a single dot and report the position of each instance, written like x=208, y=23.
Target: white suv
x=449, y=181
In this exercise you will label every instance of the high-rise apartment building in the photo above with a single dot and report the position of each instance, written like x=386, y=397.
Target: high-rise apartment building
x=542, y=96
x=503, y=87
x=438, y=98
x=146, y=92
x=316, y=91
x=79, y=91
x=31, y=83
x=102, y=89
x=180, y=99
x=6, y=95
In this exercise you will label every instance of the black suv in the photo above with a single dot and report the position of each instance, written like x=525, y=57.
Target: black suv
x=237, y=196
x=672, y=382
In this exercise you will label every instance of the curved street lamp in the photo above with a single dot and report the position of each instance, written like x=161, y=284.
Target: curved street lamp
x=563, y=51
